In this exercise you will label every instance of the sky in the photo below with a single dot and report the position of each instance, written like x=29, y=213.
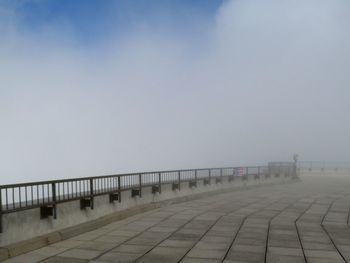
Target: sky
x=93, y=87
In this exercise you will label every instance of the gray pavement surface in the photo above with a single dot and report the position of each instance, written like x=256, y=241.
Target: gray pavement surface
x=306, y=221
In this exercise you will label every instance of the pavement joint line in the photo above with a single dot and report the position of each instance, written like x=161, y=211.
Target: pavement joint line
x=96, y=237
x=297, y=229
x=347, y=221
x=327, y=233
x=211, y=228
x=150, y=228
x=188, y=223
x=127, y=239
x=241, y=225
x=320, y=196
x=269, y=224
x=268, y=230
x=105, y=252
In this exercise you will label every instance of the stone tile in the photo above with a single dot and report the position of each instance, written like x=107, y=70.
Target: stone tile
x=318, y=246
x=206, y=253
x=284, y=259
x=285, y=251
x=97, y=245
x=284, y=243
x=112, y=239
x=64, y=260
x=138, y=249
x=124, y=233
x=199, y=260
x=162, y=229
x=248, y=248
x=164, y=254
x=143, y=241
x=86, y=236
x=176, y=243
x=169, y=251
x=69, y=243
x=322, y=254
x=212, y=245
x=216, y=239
x=25, y=258
x=118, y=257
x=80, y=253
x=245, y=256
x=324, y=260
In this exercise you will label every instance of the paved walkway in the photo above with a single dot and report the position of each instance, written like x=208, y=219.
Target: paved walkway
x=300, y=222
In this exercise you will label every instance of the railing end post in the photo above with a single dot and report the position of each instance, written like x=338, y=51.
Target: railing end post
x=1, y=210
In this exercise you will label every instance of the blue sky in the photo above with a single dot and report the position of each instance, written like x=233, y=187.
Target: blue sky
x=93, y=21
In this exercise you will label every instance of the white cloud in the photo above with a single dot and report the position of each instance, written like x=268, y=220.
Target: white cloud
x=270, y=78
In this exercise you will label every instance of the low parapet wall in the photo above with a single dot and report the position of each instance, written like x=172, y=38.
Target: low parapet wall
x=27, y=230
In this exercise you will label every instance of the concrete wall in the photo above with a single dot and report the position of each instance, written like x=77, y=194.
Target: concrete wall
x=27, y=224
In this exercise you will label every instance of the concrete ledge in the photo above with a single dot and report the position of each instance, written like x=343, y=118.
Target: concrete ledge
x=4, y=254
x=28, y=245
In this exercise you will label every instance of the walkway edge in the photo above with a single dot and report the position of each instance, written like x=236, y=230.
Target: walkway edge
x=29, y=245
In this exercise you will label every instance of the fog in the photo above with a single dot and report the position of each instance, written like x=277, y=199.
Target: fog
x=260, y=82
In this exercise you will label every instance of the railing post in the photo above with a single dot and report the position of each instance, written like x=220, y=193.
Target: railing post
x=140, y=181
x=209, y=175
x=54, y=200
x=279, y=170
x=0, y=210
x=160, y=182
x=195, y=176
x=259, y=171
x=221, y=173
x=179, y=179
x=119, y=192
x=92, y=193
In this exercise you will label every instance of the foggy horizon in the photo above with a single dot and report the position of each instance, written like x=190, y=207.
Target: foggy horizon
x=174, y=86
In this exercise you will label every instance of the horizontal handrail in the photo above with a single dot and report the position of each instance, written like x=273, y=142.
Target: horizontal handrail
x=122, y=174
x=44, y=194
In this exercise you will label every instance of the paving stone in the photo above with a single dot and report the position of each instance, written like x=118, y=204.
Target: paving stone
x=164, y=254
x=97, y=245
x=317, y=246
x=247, y=248
x=138, y=249
x=69, y=243
x=118, y=257
x=206, y=253
x=80, y=253
x=199, y=260
x=322, y=254
x=64, y=260
x=285, y=259
x=124, y=233
x=250, y=257
x=285, y=251
x=26, y=258
x=112, y=239
x=176, y=243
x=212, y=245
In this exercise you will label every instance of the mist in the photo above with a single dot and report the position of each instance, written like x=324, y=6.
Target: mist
x=259, y=82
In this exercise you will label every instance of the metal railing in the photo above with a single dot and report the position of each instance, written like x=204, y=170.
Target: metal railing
x=46, y=195
x=323, y=166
